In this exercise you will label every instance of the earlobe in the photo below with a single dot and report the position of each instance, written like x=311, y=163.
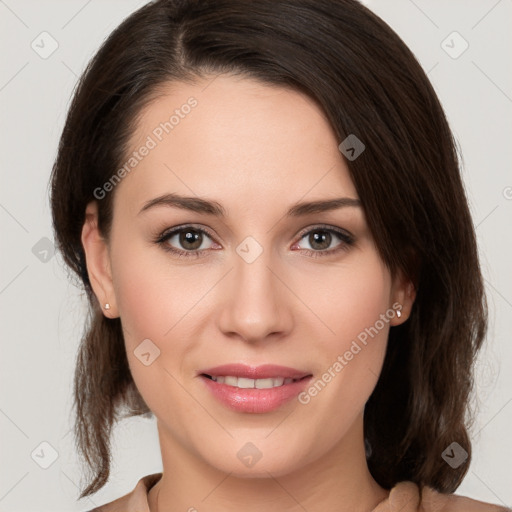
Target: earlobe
x=97, y=261
x=404, y=294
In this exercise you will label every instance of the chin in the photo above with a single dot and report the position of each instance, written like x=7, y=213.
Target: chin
x=248, y=461
x=259, y=470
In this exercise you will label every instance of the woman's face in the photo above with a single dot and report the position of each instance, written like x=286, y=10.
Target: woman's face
x=266, y=282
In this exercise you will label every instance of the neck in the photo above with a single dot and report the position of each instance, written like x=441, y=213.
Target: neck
x=339, y=480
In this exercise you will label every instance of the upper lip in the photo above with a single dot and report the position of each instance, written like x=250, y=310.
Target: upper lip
x=265, y=371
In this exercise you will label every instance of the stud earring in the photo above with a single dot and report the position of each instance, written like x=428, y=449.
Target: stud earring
x=107, y=306
x=399, y=313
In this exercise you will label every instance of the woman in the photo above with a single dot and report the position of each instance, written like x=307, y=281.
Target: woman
x=264, y=204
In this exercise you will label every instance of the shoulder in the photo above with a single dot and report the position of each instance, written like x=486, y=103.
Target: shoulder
x=134, y=501
x=433, y=501
x=406, y=497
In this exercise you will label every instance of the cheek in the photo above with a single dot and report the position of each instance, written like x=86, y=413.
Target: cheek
x=157, y=301
x=150, y=301
x=138, y=293
x=354, y=298
x=353, y=306
x=150, y=297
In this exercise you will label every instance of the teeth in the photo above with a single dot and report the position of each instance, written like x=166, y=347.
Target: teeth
x=244, y=383
x=230, y=381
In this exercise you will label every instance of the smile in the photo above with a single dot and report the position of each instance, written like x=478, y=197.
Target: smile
x=245, y=383
x=254, y=389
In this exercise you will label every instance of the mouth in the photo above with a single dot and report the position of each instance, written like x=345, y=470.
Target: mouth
x=246, y=383
x=254, y=389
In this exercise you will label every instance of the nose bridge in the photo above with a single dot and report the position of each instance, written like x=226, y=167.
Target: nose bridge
x=256, y=304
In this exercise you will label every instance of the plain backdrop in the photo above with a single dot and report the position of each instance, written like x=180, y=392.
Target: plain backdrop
x=464, y=45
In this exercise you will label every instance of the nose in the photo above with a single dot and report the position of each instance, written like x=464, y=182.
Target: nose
x=256, y=303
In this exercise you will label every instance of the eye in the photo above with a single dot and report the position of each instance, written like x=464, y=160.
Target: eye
x=324, y=240
x=186, y=241
x=191, y=241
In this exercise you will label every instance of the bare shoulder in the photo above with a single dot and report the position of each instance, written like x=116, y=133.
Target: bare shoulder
x=433, y=501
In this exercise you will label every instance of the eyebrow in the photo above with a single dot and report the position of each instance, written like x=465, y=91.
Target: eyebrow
x=198, y=205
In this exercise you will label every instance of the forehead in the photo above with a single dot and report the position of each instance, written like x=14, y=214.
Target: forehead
x=236, y=137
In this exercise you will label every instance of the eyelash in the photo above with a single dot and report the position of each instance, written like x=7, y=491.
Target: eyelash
x=346, y=238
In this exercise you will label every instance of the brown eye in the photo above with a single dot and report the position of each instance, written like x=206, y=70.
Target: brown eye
x=191, y=239
x=320, y=240
x=186, y=240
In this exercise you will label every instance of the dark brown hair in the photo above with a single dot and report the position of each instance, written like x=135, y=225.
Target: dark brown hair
x=368, y=83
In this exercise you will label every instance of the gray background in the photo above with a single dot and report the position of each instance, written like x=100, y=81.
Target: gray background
x=42, y=314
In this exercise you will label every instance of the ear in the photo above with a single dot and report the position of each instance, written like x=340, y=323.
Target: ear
x=97, y=260
x=403, y=294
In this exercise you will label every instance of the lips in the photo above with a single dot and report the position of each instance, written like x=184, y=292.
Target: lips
x=266, y=371
x=254, y=389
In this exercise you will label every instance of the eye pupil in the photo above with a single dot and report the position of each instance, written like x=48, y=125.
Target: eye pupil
x=323, y=238
x=191, y=237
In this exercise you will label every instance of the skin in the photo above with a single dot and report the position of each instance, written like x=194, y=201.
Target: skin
x=257, y=150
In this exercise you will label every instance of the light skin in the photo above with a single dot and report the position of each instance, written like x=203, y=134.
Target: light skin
x=256, y=150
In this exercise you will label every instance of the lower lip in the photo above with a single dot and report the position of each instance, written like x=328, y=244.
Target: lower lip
x=255, y=400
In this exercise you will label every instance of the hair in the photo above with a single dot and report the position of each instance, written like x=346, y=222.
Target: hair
x=368, y=83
